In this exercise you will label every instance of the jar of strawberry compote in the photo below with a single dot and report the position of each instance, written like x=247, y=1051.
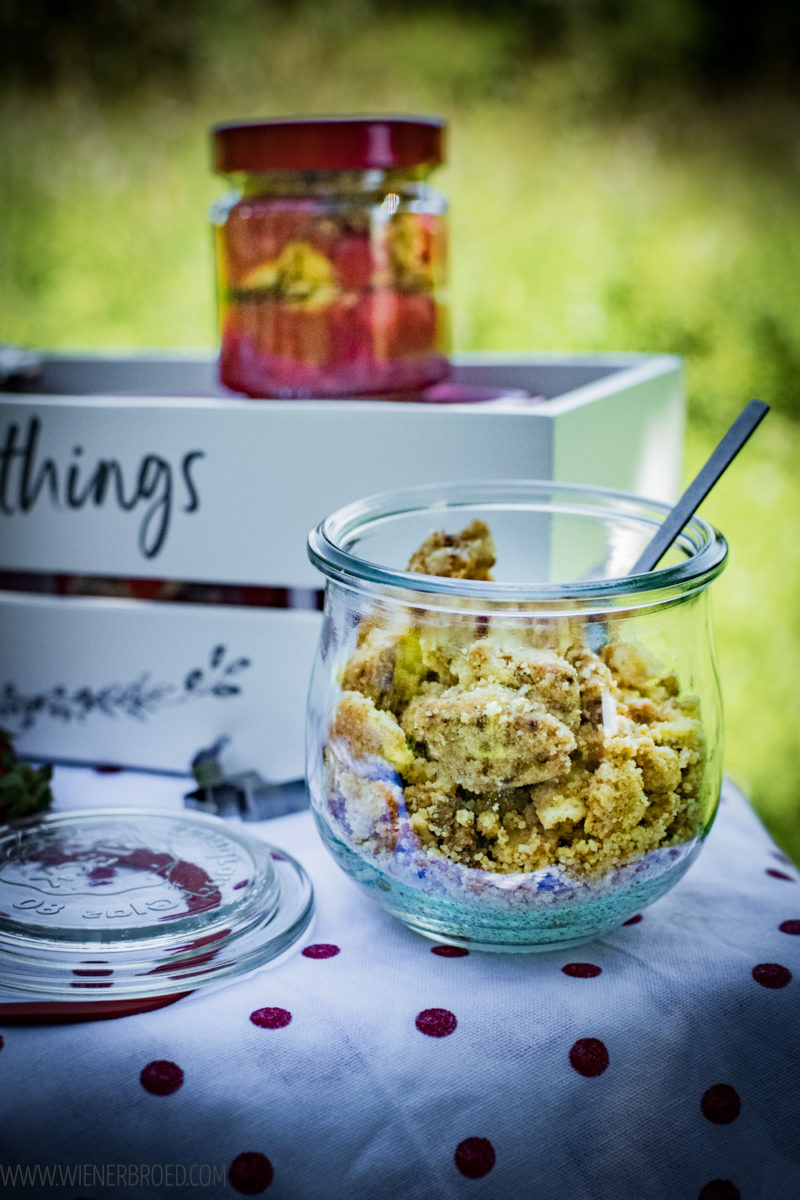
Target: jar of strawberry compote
x=331, y=256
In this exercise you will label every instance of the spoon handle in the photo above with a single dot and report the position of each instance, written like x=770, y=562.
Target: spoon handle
x=744, y=425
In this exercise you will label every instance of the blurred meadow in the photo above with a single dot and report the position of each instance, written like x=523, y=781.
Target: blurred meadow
x=622, y=176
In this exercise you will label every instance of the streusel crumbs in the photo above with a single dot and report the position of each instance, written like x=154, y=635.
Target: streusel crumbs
x=511, y=748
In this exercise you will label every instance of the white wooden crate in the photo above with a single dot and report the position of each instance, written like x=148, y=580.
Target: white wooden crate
x=142, y=467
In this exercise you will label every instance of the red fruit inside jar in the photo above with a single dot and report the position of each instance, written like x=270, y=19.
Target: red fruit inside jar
x=317, y=301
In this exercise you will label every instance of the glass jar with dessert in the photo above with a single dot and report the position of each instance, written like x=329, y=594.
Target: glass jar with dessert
x=513, y=744
x=331, y=251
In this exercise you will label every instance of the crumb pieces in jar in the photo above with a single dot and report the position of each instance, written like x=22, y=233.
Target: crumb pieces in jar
x=515, y=746
x=469, y=554
x=488, y=736
x=369, y=732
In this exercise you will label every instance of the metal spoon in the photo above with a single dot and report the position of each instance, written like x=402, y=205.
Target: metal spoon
x=744, y=425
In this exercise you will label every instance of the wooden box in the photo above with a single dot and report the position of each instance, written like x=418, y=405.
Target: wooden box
x=156, y=593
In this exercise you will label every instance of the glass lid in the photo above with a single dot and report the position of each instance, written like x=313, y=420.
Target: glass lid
x=119, y=904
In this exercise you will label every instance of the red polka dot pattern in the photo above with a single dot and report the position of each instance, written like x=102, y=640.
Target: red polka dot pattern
x=450, y=951
x=320, y=950
x=720, y=1104
x=720, y=1189
x=772, y=975
x=474, y=1157
x=161, y=1077
x=589, y=1057
x=271, y=1018
x=436, y=1022
x=250, y=1173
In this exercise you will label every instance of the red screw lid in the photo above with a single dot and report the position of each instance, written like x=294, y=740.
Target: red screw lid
x=327, y=143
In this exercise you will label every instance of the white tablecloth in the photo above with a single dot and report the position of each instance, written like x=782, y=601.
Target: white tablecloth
x=658, y=1063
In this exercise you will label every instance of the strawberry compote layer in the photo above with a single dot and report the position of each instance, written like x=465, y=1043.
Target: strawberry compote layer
x=331, y=299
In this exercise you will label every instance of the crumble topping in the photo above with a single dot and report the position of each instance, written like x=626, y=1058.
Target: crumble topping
x=510, y=746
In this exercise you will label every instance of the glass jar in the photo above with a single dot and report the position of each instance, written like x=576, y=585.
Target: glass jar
x=524, y=757
x=331, y=256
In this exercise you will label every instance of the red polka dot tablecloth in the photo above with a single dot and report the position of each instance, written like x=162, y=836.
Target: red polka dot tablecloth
x=659, y=1063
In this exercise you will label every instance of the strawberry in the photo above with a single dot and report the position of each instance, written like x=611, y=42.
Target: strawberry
x=403, y=325
x=23, y=789
x=355, y=263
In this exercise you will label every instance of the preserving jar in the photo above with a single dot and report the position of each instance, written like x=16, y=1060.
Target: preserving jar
x=331, y=256
x=524, y=757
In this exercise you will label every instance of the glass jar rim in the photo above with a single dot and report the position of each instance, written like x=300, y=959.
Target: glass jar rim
x=328, y=143
x=705, y=547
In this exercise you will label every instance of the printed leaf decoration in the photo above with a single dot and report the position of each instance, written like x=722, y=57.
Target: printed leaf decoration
x=140, y=699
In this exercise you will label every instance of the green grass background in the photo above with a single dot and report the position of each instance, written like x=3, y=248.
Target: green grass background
x=598, y=204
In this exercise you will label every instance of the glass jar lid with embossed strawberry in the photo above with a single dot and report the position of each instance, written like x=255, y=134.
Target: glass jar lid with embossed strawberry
x=331, y=256
x=513, y=744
